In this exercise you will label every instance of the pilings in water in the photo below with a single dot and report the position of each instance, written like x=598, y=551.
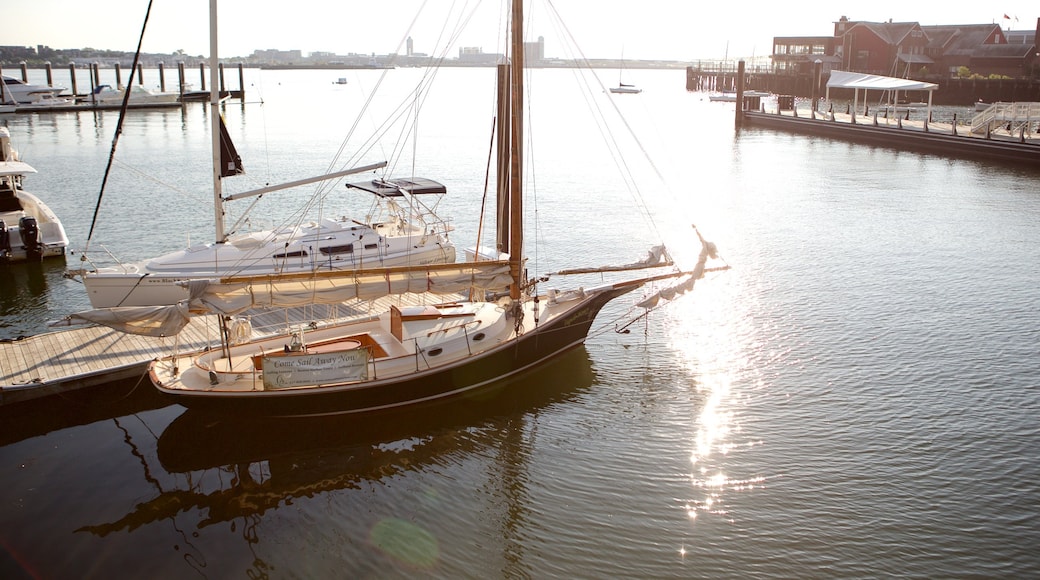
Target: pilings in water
x=711, y=80
x=95, y=69
x=739, y=117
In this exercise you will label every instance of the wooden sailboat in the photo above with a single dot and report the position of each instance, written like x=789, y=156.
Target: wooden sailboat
x=484, y=320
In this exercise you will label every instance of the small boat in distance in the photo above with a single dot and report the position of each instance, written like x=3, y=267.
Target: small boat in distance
x=731, y=96
x=29, y=230
x=623, y=89
x=340, y=81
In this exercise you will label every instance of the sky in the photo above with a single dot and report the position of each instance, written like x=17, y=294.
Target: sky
x=645, y=29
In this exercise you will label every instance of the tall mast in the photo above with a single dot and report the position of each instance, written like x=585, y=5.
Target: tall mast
x=516, y=137
x=214, y=99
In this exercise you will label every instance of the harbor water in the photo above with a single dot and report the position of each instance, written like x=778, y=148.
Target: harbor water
x=859, y=396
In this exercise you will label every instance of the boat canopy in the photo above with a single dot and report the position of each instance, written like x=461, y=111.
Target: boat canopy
x=858, y=81
x=397, y=187
x=15, y=168
x=850, y=80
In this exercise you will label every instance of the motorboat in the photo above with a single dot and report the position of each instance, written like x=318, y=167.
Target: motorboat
x=29, y=230
x=106, y=95
x=731, y=96
x=18, y=91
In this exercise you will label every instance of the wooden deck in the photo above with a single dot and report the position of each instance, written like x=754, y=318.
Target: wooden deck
x=56, y=362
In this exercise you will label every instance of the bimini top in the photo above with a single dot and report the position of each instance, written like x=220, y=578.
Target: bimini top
x=398, y=187
x=850, y=80
x=15, y=168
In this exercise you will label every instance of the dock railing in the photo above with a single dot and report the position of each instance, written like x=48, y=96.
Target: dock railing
x=1014, y=117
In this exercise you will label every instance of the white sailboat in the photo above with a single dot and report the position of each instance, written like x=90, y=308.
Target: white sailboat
x=622, y=88
x=402, y=230
x=29, y=230
x=483, y=320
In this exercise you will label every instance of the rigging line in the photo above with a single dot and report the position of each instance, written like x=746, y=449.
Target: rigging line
x=419, y=95
x=627, y=170
x=487, y=177
x=369, y=100
x=149, y=177
x=119, y=126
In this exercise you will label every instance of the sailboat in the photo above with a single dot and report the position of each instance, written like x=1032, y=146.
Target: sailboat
x=403, y=229
x=622, y=88
x=480, y=321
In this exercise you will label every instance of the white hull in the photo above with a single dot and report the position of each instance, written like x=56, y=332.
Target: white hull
x=106, y=95
x=29, y=230
x=158, y=282
x=625, y=90
x=728, y=97
x=15, y=91
x=52, y=233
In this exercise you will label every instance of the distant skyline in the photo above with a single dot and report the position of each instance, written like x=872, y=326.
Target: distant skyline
x=651, y=29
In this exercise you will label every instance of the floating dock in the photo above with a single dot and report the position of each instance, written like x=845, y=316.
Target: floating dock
x=1019, y=146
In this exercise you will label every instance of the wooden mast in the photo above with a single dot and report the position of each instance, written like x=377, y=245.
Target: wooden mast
x=516, y=140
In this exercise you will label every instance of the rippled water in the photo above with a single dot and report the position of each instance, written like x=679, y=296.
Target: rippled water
x=857, y=397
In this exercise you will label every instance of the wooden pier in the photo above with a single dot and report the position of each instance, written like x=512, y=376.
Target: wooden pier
x=57, y=362
x=1019, y=146
x=83, y=101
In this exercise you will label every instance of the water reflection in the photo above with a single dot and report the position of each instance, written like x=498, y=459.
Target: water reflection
x=39, y=417
x=23, y=287
x=718, y=339
x=227, y=473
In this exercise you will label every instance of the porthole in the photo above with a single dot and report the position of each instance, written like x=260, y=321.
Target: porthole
x=435, y=351
x=479, y=336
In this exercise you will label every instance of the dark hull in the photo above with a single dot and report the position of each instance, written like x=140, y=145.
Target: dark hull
x=527, y=353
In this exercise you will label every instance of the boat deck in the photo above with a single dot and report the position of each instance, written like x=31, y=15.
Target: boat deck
x=65, y=360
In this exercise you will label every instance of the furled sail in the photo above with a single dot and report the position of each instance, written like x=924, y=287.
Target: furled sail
x=657, y=257
x=233, y=295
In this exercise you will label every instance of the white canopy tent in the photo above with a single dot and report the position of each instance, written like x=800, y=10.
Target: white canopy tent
x=850, y=80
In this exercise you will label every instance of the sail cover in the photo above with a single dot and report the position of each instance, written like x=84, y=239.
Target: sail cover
x=233, y=295
x=157, y=321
